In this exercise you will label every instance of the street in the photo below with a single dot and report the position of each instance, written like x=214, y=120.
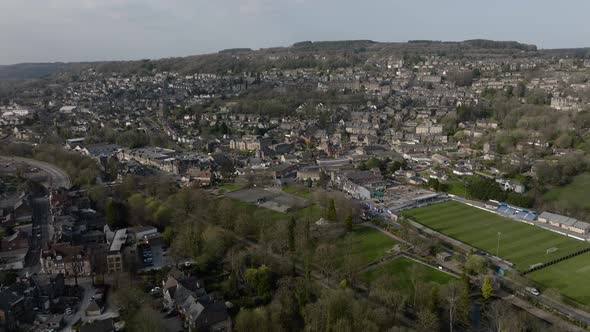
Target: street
x=57, y=177
x=39, y=234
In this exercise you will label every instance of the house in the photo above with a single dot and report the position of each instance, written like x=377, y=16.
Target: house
x=178, y=286
x=16, y=241
x=440, y=159
x=137, y=233
x=443, y=256
x=206, y=314
x=13, y=251
x=72, y=143
x=101, y=325
x=200, y=311
x=67, y=109
x=94, y=308
x=67, y=259
x=23, y=212
x=12, y=309
x=462, y=171
x=282, y=171
x=248, y=143
x=49, y=321
x=511, y=185
x=309, y=172
x=16, y=304
x=200, y=177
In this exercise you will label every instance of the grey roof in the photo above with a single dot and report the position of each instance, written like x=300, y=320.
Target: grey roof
x=558, y=218
x=105, y=325
x=581, y=225
x=118, y=240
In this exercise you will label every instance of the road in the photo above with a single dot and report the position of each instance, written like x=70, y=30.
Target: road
x=58, y=178
x=39, y=234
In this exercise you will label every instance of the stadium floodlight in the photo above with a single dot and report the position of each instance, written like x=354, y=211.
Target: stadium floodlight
x=498, y=247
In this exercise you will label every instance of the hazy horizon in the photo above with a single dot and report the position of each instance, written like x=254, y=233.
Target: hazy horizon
x=101, y=30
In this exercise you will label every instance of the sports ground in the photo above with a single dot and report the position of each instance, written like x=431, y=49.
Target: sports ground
x=400, y=269
x=521, y=244
x=570, y=277
x=365, y=245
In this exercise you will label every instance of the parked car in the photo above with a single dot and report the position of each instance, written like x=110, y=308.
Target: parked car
x=533, y=291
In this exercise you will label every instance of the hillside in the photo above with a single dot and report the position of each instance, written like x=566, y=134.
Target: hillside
x=306, y=54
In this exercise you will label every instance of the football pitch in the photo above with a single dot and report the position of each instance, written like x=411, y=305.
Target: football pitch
x=400, y=269
x=570, y=277
x=521, y=244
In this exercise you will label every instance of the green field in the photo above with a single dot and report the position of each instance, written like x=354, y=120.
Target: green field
x=298, y=190
x=456, y=187
x=365, y=245
x=401, y=268
x=570, y=277
x=312, y=212
x=520, y=243
x=573, y=195
x=232, y=186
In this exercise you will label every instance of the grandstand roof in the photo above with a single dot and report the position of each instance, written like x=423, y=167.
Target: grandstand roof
x=558, y=218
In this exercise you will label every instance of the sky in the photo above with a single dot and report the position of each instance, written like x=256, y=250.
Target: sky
x=93, y=30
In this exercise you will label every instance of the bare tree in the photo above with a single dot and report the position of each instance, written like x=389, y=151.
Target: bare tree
x=416, y=274
x=495, y=312
x=452, y=296
x=428, y=320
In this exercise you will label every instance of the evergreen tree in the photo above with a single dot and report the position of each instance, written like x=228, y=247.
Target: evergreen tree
x=348, y=223
x=331, y=210
x=486, y=288
x=291, y=235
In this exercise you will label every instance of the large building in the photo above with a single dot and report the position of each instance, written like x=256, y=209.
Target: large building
x=66, y=259
x=115, y=255
x=564, y=222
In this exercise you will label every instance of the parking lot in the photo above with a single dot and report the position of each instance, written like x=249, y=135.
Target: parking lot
x=159, y=257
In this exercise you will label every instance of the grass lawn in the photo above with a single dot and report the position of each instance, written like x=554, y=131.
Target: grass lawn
x=456, y=187
x=232, y=186
x=313, y=212
x=365, y=245
x=298, y=190
x=400, y=269
x=575, y=193
x=520, y=243
x=570, y=277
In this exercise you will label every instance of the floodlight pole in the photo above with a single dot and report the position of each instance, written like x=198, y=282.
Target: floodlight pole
x=498, y=247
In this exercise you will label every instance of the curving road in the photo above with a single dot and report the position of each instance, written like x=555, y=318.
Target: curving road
x=58, y=178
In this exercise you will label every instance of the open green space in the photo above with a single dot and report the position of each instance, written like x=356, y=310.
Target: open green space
x=521, y=244
x=570, y=277
x=313, y=212
x=456, y=187
x=400, y=269
x=232, y=186
x=364, y=245
x=298, y=190
x=572, y=196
